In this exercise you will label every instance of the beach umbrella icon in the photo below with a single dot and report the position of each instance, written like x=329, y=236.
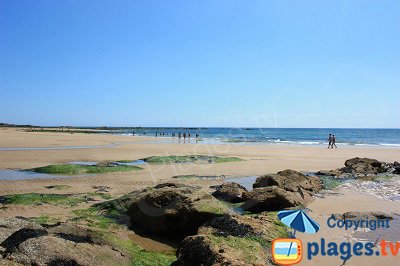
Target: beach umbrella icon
x=299, y=221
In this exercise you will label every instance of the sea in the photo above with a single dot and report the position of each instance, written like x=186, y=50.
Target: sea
x=299, y=136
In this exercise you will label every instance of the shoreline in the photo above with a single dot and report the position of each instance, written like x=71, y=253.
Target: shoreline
x=217, y=140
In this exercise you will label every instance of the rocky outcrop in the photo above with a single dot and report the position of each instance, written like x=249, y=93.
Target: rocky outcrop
x=173, y=210
x=363, y=216
x=285, y=189
x=289, y=180
x=26, y=243
x=273, y=198
x=230, y=192
x=361, y=168
x=208, y=250
x=264, y=226
x=364, y=166
x=232, y=240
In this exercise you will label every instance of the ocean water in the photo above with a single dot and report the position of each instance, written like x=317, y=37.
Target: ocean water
x=302, y=136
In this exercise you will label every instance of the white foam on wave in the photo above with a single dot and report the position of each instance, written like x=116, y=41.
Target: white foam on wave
x=389, y=144
x=387, y=189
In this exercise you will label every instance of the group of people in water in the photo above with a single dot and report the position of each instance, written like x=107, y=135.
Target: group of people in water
x=331, y=141
x=180, y=135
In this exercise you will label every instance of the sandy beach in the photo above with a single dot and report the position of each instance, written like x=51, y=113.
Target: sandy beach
x=257, y=160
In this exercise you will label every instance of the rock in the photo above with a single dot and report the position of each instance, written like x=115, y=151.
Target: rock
x=365, y=166
x=335, y=172
x=261, y=226
x=362, y=168
x=396, y=168
x=230, y=191
x=9, y=226
x=208, y=250
x=8, y=263
x=15, y=239
x=273, y=198
x=366, y=215
x=175, y=211
x=51, y=250
x=26, y=243
x=78, y=234
x=285, y=189
x=289, y=180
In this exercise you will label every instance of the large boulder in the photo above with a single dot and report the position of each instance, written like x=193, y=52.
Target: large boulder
x=173, y=210
x=209, y=250
x=264, y=226
x=232, y=240
x=26, y=243
x=230, y=191
x=273, y=198
x=362, y=168
x=51, y=250
x=289, y=180
x=373, y=215
x=365, y=166
x=9, y=226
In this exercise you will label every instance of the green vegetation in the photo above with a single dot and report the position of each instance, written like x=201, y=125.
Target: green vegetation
x=74, y=169
x=185, y=176
x=106, y=215
x=124, y=161
x=52, y=199
x=101, y=195
x=330, y=182
x=199, y=176
x=211, y=206
x=190, y=159
x=39, y=199
x=103, y=214
x=280, y=230
x=58, y=187
x=140, y=257
x=250, y=249
x=46, y=220
x=92, y=217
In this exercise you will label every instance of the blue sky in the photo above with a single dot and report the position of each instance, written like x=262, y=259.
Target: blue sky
x=200, y=63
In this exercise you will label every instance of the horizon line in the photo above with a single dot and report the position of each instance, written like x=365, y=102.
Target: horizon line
x=187, y=127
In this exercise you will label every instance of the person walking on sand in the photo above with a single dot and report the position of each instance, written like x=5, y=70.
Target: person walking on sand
x=333, y=142
x=184, y=137
x=330, y=141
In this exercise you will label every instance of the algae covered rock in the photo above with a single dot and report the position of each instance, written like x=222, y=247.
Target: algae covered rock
x=26, y=243
x=273, y=198
x=209, y=250
x=173, y=210
x=290, y=180
x=232, y=240
x=230, y=192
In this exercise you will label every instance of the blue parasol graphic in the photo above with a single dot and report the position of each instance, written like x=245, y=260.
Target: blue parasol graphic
x=298, y=220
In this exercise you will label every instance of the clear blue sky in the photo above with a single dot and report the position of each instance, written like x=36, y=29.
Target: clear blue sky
x=200, y=63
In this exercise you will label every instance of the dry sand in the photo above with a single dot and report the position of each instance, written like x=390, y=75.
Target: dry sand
x=258, y=160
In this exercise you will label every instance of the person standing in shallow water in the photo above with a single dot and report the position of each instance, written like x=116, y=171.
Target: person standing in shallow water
x=330, y=141
x=333, y=141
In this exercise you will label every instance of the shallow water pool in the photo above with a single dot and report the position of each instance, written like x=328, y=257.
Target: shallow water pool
x=26, y=175
x=246, y=181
